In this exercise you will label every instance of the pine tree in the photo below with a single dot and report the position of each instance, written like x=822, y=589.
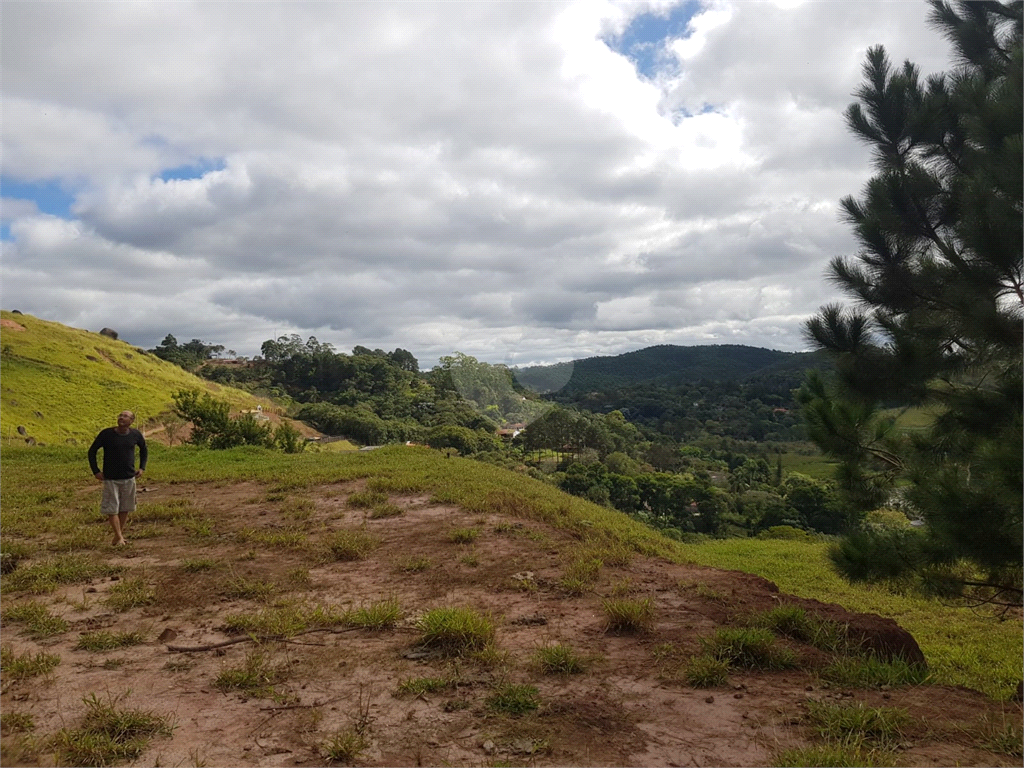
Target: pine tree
x=936, y=319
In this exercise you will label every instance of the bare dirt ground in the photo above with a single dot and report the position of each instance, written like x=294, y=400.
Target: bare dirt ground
x=631, y=707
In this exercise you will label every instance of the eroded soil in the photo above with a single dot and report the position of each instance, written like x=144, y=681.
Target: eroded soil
x=630, y=707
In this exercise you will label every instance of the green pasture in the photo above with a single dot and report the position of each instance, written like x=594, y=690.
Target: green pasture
x=811, y=464
x=40, y=491
x=64, y=384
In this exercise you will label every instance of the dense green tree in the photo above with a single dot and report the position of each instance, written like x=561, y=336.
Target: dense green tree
x=937, y=320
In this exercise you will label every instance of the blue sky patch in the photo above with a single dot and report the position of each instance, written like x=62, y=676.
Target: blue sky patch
x=643, y=41
x=192, y=170
x=49, y=196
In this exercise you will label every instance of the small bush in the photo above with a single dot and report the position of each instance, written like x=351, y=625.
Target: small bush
x=366, y=499
x=705, y=671
x=130, y=593
x=37, y=620
x=749, y=648
x=344, y=746
x=628, y=615
x=463, y=535
x=559, y=659
x=455, y=630
x=514, y=699
x=382, y=615
x=108, y=735
x=21, y=667
x=351, y=544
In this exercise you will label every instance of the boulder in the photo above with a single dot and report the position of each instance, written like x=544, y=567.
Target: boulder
x=109, y=332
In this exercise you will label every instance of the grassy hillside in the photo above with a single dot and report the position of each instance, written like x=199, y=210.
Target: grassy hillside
x=64, y=384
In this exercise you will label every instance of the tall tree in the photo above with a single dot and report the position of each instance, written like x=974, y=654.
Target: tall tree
x=936, y=320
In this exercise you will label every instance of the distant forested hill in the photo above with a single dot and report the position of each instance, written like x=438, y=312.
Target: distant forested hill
x=669, y=365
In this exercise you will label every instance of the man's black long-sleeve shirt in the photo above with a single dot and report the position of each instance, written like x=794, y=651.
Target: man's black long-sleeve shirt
x=118, y=453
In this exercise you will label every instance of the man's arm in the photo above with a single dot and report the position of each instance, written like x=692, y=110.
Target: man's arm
x=93, y=449
x=143, y=455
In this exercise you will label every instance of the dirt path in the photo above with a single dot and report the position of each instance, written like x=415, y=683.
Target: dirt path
x=630, y=707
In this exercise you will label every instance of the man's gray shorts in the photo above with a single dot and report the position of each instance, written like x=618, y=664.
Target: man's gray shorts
x=118, y=496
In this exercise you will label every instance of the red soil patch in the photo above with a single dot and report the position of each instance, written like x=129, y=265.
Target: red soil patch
x=631, y=706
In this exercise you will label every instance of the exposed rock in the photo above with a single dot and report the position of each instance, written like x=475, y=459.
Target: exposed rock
x=22, y=431
x=109, y=332
x=15, y=311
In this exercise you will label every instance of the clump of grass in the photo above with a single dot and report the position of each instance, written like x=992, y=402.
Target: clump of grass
x=580, y=573
x=130, y=593
x=473, y=560
x=344, y=746
x=16, y=722
x=463, y=535
x=381, y=511
x=751, y=648
x=705, y=671
x=108, y=734
x=44, y=577
x=1002, y=736
x=628, y=614
x=832, y=721
x=380, y=615
x=255, y=677
x=455, y=630
x=283, y=621
x=299, y=576
x=794, y=622
x=415, y=564
x=615, y=554
x=27, y=665
x=367, y=499
x=288, y=538
x=38, y=621
x=514, y=699
x=870, y=671
x=559, y=659
x=491, y=656
x=845, y=753
x=108, y=641
x=196, y=526
x=351, y=544
x=242, y=588
x=420, y=685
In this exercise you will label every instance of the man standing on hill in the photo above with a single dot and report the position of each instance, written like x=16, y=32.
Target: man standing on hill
x=119, y=472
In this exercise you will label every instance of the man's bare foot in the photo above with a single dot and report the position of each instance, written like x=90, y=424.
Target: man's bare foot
x=120, y=543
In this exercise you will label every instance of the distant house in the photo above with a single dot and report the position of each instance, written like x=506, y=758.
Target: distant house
x=509, y=432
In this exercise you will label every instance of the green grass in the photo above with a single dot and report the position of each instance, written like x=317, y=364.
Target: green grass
x=108, y=734
x=380, y=615
x=38, y=621
x=748, y=648
x=350, y=544
x=463, y=535
x=628, y=614
x=255, y=677
x=845, y=753
x=366, y=499
x=108, y=641
x=284, y=621
x=381, y=511
x=43, y=488
x=16, y=722
x=130, y=593
x=837, y=721
x=27, y=665
x=707, y=671
x=83, y=396
x=199, y=565
x=961, y=646
x=44, y=577
x=344, y=746
x=416, y=564
x=559, y=659
x=796, y=623
x=514, y=699
x=455, y=630
x=869, y=671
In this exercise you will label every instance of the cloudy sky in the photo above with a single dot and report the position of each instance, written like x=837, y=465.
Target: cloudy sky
x=519, y=181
